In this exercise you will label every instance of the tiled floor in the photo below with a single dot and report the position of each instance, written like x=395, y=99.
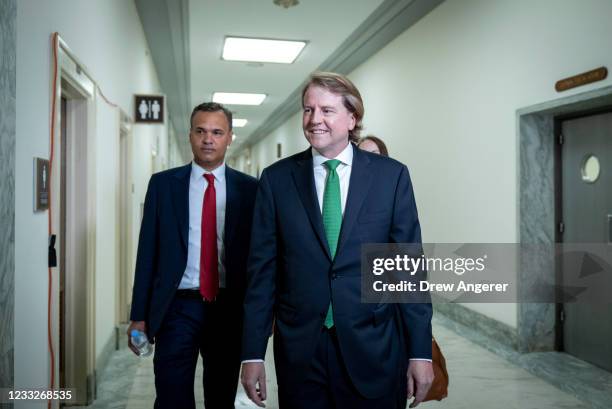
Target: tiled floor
x=142, y=393
x=478, y=379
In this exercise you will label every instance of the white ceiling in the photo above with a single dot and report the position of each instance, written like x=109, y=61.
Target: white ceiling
x=322, y=23
x=186, y=41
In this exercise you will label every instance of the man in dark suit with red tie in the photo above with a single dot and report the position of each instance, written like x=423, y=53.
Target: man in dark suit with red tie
x=314, y=211
x=191, y=266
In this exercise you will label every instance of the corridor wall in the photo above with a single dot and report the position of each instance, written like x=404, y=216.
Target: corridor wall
x=444, y=94
x=106, y=231
x=289, y=135
x=107, y=38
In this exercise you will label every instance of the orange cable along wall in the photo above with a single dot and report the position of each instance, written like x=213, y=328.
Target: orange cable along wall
x=55, y=48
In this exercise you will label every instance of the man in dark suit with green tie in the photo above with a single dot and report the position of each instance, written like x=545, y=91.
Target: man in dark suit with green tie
x=313, y=212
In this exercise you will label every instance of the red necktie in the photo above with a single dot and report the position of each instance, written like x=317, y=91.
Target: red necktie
x=209, y=267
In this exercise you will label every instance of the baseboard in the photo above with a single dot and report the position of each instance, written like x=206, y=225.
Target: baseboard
x=110, y=346
x=500, y=332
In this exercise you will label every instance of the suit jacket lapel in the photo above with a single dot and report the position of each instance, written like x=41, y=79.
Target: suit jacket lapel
x=232, y=204
x=303, y=176
x=180, y=199
x=359, y=185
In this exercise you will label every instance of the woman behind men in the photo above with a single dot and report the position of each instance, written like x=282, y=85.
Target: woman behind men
x=373, y=144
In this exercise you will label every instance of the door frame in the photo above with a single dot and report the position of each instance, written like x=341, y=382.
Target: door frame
x=77, y=348
x=125, y=268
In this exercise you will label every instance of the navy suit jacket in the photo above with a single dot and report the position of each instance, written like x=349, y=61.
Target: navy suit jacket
x=162, y=247
x=292, y=277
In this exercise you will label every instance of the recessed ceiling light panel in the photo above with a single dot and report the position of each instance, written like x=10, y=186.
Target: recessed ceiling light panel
x=261, y=50
x=238, y=98
x=239, y=122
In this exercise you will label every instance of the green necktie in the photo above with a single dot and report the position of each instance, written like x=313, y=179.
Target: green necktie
x=332, y=218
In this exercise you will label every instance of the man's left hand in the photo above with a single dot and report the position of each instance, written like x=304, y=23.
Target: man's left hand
x=420, y=377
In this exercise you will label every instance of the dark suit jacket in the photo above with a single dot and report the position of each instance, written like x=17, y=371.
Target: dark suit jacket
x=162, y=247
x=291, y=273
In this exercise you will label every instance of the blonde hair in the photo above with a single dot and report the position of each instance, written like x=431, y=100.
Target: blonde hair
x=351, y=98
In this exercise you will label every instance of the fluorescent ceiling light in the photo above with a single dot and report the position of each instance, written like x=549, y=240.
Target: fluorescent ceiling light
x=260, y=50
x=239, y=122
x=237, y=98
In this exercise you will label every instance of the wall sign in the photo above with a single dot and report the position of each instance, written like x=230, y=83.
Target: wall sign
x=42, y=180
x=149, y=109
x=584, y=78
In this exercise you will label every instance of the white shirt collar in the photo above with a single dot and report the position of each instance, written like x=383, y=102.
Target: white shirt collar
x=346, y=156
x=197, y=171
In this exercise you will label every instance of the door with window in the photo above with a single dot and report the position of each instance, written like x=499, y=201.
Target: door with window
x=586, y=203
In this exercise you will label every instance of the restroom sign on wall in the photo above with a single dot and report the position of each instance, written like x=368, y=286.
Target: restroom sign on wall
x=149, y=109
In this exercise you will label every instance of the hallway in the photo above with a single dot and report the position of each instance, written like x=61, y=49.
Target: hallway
x=501, y=112
x=479, y=378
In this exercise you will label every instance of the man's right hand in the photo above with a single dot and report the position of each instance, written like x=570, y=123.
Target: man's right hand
x=254, y=382
x=137, y=325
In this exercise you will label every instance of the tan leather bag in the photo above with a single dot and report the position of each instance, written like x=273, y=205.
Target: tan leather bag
x=439, y=387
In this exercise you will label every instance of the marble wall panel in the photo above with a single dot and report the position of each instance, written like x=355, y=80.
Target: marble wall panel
x=8, y=15
x=536, y=322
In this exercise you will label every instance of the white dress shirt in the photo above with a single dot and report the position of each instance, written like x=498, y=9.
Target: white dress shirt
x=343, y=170
x=197, y=187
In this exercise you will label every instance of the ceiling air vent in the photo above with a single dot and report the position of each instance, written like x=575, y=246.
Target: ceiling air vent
x=286, y=3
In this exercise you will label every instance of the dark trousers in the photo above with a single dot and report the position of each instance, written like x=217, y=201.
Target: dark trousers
x=327, y=384
x=193, y=327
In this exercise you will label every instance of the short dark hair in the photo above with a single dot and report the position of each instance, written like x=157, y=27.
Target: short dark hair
x=211, y=107
x=378, y=142
x=340, y=85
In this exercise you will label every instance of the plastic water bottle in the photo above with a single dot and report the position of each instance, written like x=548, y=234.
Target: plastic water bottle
x=141, y=342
